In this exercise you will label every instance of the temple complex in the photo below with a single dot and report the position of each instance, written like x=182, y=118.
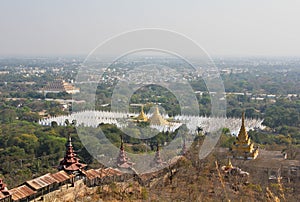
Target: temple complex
x=58, y=86
x=70, y=163
x=243, y=148
x=123, y=160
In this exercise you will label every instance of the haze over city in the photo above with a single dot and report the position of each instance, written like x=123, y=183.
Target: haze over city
x=222, y=28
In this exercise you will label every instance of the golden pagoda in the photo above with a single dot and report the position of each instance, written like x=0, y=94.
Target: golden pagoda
x=242, y=147
x=157, y=119
x=142, y=117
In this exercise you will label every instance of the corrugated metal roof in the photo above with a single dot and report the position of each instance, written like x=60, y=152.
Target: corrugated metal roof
x=108, y=172
x=102, y=172
x=111, y=171
x=2, y=196
x=61, y=176
x=21, y=192
x=41, y=182
x=91, y=174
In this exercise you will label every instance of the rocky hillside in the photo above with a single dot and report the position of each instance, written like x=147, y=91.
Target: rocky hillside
x=187, y=180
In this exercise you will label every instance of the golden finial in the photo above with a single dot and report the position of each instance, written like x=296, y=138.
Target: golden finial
x=142, y=108
x=156, y=110
x=243, y=118
x=229, y=164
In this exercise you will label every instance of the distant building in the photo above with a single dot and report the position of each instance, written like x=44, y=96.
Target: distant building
x=243, y=148
x=59, y=86
x=4, y=72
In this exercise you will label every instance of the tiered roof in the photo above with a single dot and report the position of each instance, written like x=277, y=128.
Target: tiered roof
x=157, y=161
x=123, y=160
x=243, y=147
x=70, y=163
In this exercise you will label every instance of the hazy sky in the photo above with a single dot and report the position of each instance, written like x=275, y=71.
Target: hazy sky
x=223, y=27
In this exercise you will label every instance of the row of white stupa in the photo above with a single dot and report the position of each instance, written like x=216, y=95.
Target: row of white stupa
x=121, y=120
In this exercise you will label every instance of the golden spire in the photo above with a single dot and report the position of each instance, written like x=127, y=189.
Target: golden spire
x=156, y=110
x=142, y=116
x=243, y=118
x=243, y=147
x=142, y=109
x=243, y=135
